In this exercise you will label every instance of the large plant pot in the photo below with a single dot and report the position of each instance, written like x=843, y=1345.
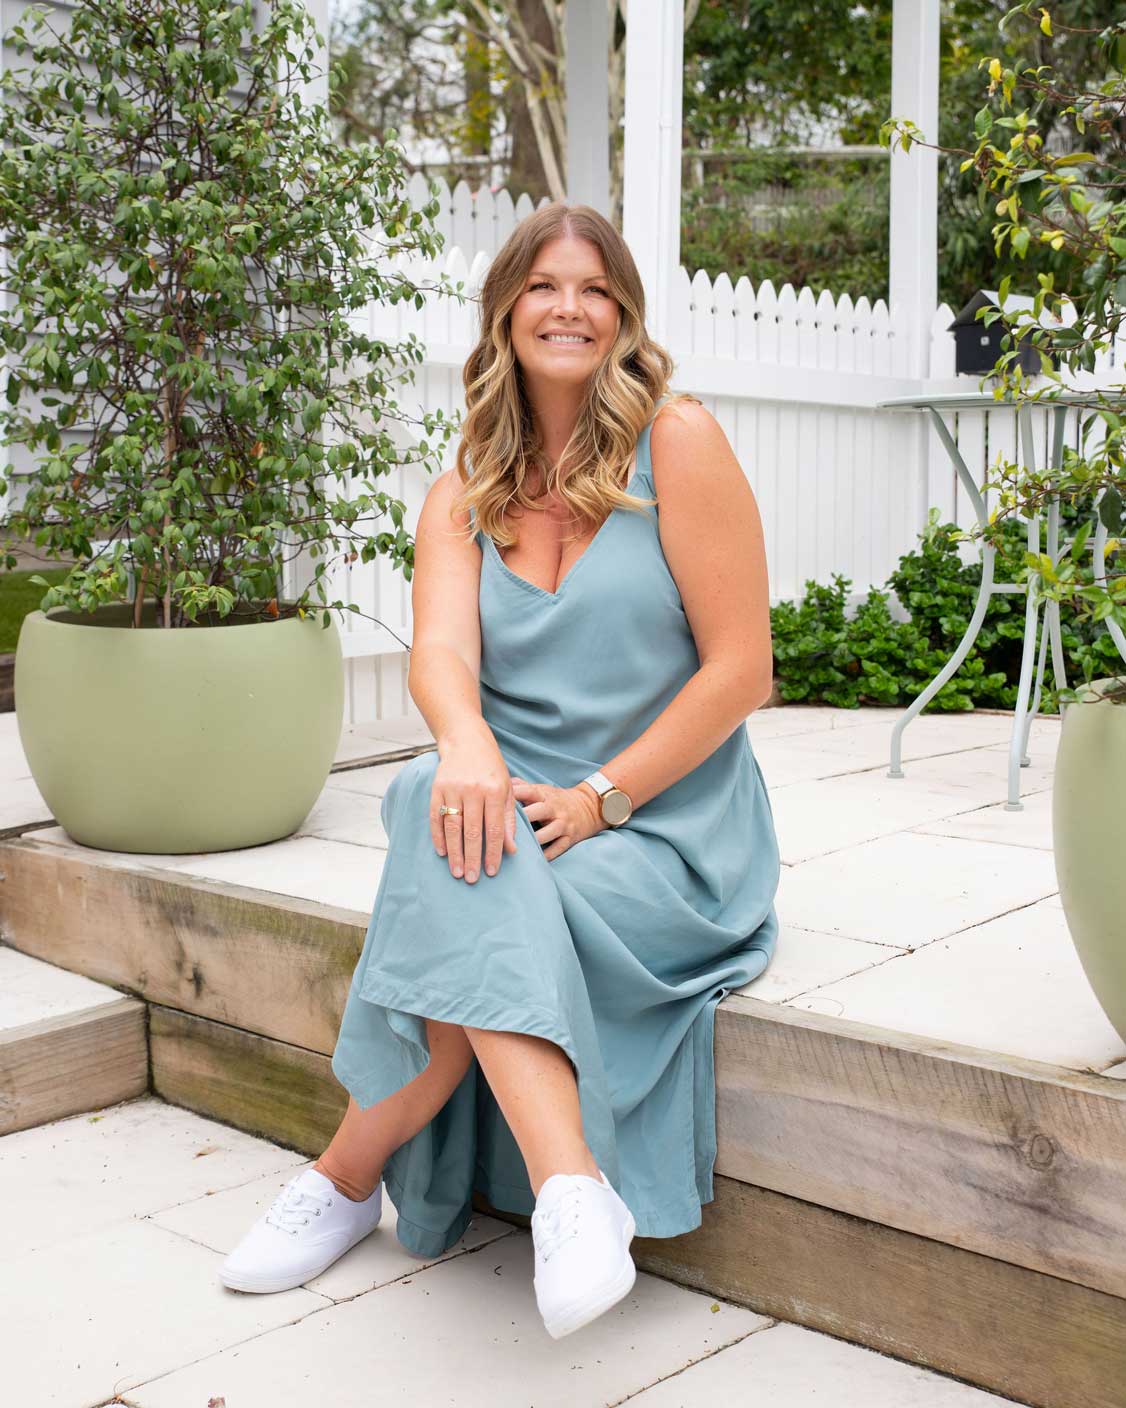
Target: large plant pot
x=1087, y=793
x=205, y=738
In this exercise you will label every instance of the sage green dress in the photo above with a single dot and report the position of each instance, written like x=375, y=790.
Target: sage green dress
x=618, y=950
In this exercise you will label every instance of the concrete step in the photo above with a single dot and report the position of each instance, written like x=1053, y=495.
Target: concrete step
x=67, y=1043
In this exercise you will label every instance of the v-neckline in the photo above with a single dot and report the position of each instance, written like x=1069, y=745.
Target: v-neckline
x=574, y=567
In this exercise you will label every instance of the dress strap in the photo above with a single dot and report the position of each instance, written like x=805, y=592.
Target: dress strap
x=644, y=459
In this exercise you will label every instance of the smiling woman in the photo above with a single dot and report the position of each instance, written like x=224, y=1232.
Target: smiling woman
x=591, y=630
x=561, y=382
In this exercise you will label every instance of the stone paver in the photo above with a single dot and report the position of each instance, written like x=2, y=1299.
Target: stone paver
x=372, y=781
x=307, y=867
x=798, y=1368
x=93, y=1172
x=109, y=1309
x=805, y=958
x=830, y=752
x=34, y=991
x=122, y=1297
x=344, y=815
x=219, y=1219
x=467, y=1332
x=21, y=803
x=828, y=814
x=1030, y=827
x=909, y=889
x=370, y=740
x=1013, y=984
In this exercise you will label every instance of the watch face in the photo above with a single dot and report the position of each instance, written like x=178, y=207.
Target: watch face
x=615, y=807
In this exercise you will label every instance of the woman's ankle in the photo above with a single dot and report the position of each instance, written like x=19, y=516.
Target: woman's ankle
x=347, y=1184
x=581, y=1163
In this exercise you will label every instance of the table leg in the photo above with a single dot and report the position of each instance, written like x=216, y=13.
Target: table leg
x=1052, y=610
x=1024, y=687
x=1051, y=625
x=1022, y=716
x=1034, y=709
x=985, y=591
x=1098, y=564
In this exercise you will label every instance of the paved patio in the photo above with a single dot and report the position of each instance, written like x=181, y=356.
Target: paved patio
x=108, y=1285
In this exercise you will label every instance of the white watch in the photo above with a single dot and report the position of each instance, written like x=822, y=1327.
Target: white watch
x=616, y=805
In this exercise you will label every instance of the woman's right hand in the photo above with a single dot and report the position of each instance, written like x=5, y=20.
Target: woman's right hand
x=473, y=775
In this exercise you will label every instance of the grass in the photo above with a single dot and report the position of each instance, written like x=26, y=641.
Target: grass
x=18, y=596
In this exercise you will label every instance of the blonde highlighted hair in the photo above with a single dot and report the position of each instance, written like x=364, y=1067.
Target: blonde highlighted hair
x=498, y=434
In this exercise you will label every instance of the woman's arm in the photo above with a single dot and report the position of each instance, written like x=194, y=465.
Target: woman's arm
x=445, y=661
x=444, y=681
x=711, y=535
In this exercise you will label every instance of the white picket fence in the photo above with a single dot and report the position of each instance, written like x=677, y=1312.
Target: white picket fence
x=476, y=222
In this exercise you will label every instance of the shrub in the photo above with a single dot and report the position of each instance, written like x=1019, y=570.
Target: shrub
x=822, y=654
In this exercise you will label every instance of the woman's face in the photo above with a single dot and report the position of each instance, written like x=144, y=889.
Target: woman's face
x=566, y=292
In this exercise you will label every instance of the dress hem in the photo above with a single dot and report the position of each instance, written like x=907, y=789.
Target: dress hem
x=505, y=1197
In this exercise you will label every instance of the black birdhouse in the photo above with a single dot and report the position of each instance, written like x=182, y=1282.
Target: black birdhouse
x=977, y=346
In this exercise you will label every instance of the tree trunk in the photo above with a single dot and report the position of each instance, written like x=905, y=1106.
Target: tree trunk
x=526, y=172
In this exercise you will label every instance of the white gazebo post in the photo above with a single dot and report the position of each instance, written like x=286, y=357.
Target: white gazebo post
x=651, y=178
x=316, y=90
x=588, y=103
x=913, y=248
x=299, y=570
x=913, y=233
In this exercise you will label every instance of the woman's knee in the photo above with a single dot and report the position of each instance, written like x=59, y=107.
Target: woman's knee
x=422, y=765
x=449, y=1045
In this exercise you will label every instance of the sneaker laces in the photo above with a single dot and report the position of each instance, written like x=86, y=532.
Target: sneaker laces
x=291, y=1208
x=558, y=1222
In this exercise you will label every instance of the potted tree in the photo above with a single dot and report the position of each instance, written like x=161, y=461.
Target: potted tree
x=1062, y=208
x=187, y=247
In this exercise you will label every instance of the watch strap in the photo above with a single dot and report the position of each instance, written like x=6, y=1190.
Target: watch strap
x=600, y=782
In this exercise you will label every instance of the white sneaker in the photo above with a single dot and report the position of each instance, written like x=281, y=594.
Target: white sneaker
x=308, y=1226
x=581, y=1229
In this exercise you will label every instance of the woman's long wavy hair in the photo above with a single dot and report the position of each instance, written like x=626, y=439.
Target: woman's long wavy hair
x=499, y=438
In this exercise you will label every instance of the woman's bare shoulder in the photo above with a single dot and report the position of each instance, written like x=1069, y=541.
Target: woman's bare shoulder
x=680, y=424
x=438, y=508
x=688, y=439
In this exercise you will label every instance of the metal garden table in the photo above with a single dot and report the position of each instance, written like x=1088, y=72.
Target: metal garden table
x=1028, y=689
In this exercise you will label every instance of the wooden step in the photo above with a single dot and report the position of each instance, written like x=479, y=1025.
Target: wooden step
x=67, y=1044
x=957, y=1208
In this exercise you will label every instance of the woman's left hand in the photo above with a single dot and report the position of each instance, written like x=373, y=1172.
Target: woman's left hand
x=561, y=816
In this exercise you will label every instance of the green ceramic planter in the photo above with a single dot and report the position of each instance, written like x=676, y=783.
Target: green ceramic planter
x=1087, y=792
x=207, y=738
